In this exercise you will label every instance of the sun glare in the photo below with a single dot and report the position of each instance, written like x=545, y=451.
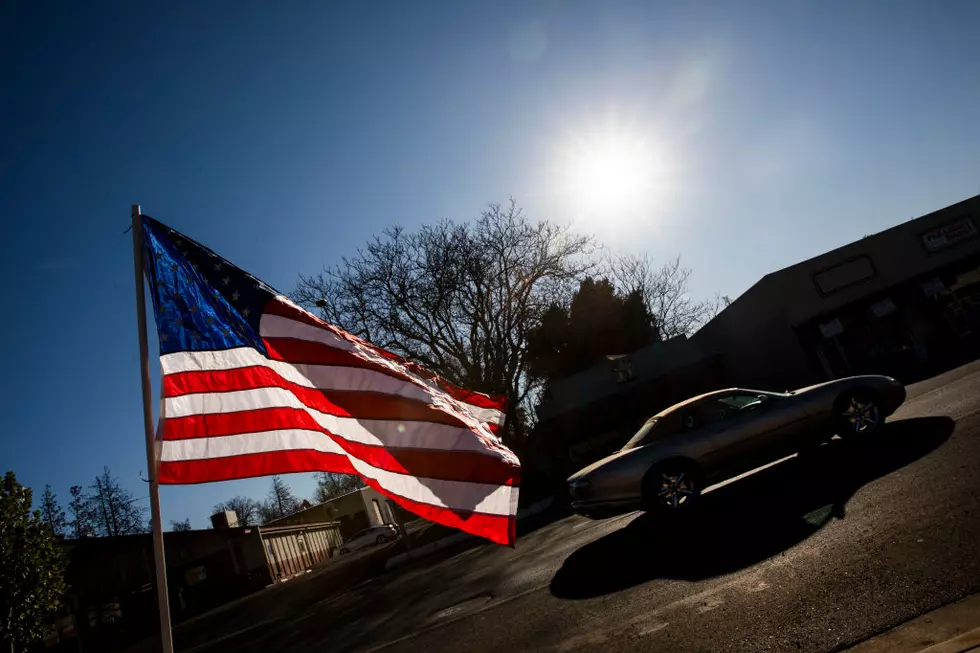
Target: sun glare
x=609, y=173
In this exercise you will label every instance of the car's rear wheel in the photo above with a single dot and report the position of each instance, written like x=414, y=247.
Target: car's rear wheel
x=344, y=551
x=858, y=414
x=381, y=539
x=672, y=487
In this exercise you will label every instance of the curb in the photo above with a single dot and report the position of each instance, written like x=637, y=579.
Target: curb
x=965, y=642
x=428, y=549
x=953, y=628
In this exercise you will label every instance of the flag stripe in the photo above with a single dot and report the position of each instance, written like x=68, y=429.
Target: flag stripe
x=251, y=465
x=351, y=374
x=496, y=528
x=256, y=413
x=342, y=403
x=284, y=321
x=467, y=496
x=501, y=529
x=328, y=372
x=328, y=414
x=428, y=463
x=276, y=326
x=402, y=453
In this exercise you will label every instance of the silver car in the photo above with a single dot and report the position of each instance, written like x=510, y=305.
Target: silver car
x=369, y=537
x=718, y=435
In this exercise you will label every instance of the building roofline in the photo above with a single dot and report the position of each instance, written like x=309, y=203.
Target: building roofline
x=766, y=278
x=272, y=523
x=894, y=227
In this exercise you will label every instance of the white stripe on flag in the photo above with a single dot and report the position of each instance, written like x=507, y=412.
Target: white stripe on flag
x=320, y=377
x=478, y=497
x=276, y=326
x=388, y=433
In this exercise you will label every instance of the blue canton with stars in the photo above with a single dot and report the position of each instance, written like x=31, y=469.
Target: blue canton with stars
x=201, y=301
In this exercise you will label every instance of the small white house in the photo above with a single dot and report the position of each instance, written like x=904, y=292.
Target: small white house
x=355, y=511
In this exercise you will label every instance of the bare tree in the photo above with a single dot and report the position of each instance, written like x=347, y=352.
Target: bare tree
x=246, y=508
x=280, y=502
x=665, y=291
x=458, y=298
x=329, y=486
x=82, y=522
x=115, y=507
x=52, y=513
x=181, y=526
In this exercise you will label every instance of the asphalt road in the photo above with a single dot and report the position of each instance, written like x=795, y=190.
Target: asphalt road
x=811, y=554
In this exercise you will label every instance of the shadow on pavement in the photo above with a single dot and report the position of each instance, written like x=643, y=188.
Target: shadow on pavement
x=750, y=520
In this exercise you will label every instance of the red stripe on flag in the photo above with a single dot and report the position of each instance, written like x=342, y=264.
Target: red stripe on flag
x=449, y=465
x=311, y=352
x=281, y=309
x=342, y=403
x=297, y=352
x=500, y=529
x=496, y=528
x=253, y=464
x=246, y=421
x=477, y=399
x=276, y=306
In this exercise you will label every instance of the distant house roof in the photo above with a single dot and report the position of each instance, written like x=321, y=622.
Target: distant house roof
x=309, y=507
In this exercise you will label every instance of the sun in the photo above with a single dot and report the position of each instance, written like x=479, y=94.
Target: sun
x=613, y=171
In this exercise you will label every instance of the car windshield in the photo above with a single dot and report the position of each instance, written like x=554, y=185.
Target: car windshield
x=641, y=436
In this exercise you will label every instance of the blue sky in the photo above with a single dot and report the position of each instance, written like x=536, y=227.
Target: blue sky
x=283, y=136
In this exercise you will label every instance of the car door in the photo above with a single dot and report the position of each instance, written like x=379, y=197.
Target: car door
x=787, y=421
x=730, y=433
x=357, y=541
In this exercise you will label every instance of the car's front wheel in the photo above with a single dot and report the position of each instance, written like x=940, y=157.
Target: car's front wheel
x=671, y=487
x=344, y=551
x=858, y=414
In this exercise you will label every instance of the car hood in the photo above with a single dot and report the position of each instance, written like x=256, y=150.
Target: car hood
x=599, y=463
x=847, y=380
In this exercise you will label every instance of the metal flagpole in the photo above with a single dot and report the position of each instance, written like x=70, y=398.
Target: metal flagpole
x=166, y=636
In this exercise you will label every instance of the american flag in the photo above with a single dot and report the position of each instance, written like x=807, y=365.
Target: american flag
x=254, y=385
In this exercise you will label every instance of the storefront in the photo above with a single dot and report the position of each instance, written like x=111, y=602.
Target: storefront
x=910, y=331
x=903, y=302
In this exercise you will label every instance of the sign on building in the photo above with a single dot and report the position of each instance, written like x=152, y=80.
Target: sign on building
x=884, y=307
x=949, y=234
x=832, y=328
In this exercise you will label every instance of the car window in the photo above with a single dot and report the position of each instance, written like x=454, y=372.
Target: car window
x=643, y=436
x=718, y=409
x=739, y=400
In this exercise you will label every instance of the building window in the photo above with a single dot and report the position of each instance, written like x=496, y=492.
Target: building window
x=846, y=274
x=377, y=511
x=623, y=370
